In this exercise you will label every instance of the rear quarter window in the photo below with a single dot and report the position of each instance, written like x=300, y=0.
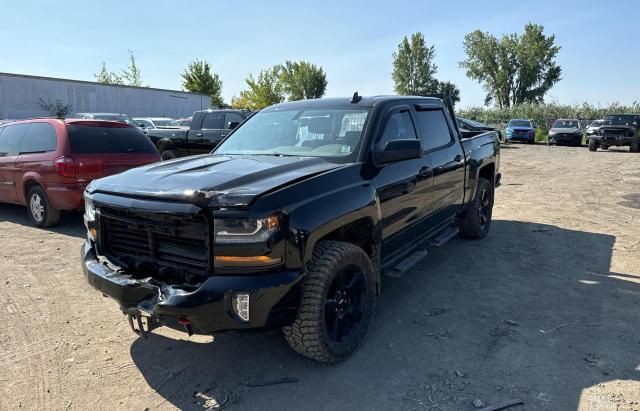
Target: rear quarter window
x=39, y=138
x=88, y=139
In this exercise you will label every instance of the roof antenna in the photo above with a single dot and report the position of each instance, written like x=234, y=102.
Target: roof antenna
x=356, y=98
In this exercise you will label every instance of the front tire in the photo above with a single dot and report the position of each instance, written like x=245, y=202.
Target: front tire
x=476, y=220
x=337, y=303
x=593, y=146
x=634, y=147
x=40, y=210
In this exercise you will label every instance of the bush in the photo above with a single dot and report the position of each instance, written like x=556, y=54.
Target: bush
x=544, y=115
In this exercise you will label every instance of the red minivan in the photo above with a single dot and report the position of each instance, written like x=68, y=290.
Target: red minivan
x=46, y=164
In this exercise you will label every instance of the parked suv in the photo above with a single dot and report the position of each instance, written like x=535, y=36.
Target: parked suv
x=520, y=130
x=47, y=163
x=617, y=130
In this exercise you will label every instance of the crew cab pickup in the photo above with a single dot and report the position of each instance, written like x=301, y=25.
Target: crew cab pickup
x=206, y=130
x=291, y=221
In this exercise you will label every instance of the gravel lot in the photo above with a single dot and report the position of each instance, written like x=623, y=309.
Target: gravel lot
x=467, y=323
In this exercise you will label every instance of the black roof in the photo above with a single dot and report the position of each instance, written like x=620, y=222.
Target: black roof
x=344, y=101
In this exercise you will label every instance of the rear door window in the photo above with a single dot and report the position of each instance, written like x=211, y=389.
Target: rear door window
x=87, y=139
x=232, y=118
x=11, y=139
x=39, y=138
x=212, y=121
x=434, y=129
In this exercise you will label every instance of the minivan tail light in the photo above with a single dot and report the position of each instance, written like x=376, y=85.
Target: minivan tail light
x=65, y=166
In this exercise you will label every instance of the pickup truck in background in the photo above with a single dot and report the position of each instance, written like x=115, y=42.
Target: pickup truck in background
x=292, y=221
x=206, y=131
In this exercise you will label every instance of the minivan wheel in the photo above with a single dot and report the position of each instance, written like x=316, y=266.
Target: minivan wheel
x=169, y=155
x=337, y=303
x=40, y=210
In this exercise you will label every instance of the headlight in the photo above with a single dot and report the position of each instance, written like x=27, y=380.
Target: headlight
x=244, y=230
x=89, y=209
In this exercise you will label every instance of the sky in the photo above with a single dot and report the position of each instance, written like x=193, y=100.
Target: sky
x=352, y=40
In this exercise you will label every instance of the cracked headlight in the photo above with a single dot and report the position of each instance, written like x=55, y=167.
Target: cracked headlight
x=244, y=230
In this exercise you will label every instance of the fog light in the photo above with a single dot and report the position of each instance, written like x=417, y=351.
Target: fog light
x=241, y=306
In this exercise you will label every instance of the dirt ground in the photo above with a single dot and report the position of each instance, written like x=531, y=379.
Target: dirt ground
x=545, y=310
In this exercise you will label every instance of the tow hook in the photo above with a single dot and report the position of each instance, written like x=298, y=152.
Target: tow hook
x=187, y=325
x=139, y=327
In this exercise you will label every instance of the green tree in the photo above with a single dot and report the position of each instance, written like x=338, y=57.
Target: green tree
x=262, y=91
x=198, y=78
x=449, y=91
x=413, y=67
x=514, y=69
x=105, y=76
x=131, y=75
x=302, y=80
x=55, y=108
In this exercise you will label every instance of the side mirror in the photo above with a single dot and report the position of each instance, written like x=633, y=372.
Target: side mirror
x=142, y=125
x=397, y=150
x=233, y=124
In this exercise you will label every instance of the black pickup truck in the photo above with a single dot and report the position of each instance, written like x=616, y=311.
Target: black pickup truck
x=208, y=128
x=292, y=221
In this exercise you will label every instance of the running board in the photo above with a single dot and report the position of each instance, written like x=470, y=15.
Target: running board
x=404, y=261
x=443, y=237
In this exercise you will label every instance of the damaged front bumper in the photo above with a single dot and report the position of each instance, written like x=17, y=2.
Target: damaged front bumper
x=203, y=308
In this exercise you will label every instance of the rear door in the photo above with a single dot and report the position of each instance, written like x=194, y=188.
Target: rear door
x=210, y=134
x=10, y=140
x=102, y=149
x=442, y=145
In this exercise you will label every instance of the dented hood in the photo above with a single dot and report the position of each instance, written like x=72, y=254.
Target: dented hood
x=213, y=180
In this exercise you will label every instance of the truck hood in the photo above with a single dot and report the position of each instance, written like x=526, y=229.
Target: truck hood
x=213, y=180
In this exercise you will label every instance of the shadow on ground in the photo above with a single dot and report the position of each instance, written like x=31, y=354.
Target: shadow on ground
x=532, y=312
x=70, y=224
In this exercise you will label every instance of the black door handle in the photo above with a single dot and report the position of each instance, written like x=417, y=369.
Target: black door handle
x=425, y=171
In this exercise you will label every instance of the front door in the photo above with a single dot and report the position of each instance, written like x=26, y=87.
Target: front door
x=401, y=186
x=10, y=140
x=210, y=134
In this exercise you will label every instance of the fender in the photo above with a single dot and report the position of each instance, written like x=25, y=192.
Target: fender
x=26, y=178
x=318, y=217
x=478, y=159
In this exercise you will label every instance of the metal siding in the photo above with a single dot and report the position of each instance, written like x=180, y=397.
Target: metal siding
x=19, y=98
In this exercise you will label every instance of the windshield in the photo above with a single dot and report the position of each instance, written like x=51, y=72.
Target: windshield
x=305, y=133
x=623, y=120
x=596, y=123
x=519, y=123
x=565, y=124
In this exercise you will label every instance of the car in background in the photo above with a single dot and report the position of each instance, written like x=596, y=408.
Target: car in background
x=182, y=122
x=520, y=130
x=46, y=164
x=593, y=128
x=153, y=122
x=472, y=125
x=565, y=131
x=208, y=128
x=617, y=130
x=123, y=118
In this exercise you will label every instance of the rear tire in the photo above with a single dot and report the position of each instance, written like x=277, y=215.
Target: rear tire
x=634, y=147
x=40, y=210
x=593, y=146
x=337, y=303
x=169, y=155
x=476, y=221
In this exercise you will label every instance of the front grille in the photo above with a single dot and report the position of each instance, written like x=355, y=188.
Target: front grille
x=155, y=242
x=613, y=132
